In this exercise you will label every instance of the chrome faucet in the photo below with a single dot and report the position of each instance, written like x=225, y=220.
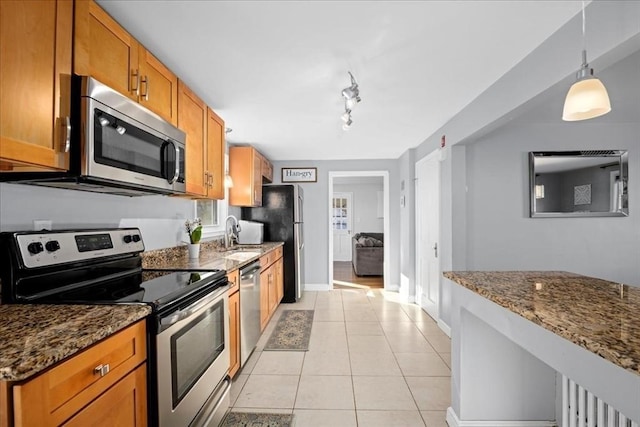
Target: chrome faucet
x=231, y=233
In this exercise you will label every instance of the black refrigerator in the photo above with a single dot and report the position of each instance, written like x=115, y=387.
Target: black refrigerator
x=281, y=214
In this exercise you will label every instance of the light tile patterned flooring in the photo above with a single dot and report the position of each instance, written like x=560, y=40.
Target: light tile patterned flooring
x=372, y=361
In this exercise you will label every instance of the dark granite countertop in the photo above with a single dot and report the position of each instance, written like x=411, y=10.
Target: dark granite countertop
x=211, y=257
x=34, y=337
x=600, y=316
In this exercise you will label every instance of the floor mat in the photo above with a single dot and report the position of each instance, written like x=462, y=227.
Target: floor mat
x=253, y=419
x=292, y=331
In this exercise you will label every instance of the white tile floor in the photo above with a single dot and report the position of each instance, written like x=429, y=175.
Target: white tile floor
x=372, y=361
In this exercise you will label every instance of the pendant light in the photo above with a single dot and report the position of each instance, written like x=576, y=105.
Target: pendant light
x=587, y=98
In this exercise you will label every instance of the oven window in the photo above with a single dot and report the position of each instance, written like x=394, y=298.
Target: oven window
x=194, y=348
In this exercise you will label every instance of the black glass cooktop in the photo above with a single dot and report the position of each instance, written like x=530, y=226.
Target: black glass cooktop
x=157, y=288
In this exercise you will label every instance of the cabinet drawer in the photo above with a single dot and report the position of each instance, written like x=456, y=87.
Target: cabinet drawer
x=234, y=281
x=266, y=260
x=68, y=387
x=278, y=253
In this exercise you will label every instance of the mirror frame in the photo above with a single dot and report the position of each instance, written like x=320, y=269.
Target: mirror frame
x=619, y=156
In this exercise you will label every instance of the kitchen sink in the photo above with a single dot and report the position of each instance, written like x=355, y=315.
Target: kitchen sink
x=242, y=255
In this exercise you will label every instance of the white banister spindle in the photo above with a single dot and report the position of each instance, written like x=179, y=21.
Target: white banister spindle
x=565, y=401
x=581, y=408
x=572, y=404
x=591, y=410
x=611, y=416
x=601, y=413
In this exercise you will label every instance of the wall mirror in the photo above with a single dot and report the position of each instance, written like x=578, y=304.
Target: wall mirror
x=578, y=183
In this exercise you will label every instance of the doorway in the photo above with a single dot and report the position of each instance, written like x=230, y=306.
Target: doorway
x=427, y=197
x=349, y=216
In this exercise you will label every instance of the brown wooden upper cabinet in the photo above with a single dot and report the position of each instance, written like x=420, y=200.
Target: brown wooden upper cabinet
x=106, y=51
x=267, y=170
x=35, y=65
x=192, y=119
x=215, y=156
x=205, y=145
x=245, y=168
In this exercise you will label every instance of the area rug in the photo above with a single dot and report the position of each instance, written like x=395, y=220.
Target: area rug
x=292, y=331
x=253, y=419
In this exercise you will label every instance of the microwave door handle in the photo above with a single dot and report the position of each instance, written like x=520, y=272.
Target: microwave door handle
x=176, y=172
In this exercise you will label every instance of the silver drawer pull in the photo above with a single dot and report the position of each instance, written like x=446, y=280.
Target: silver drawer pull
x=102, y=369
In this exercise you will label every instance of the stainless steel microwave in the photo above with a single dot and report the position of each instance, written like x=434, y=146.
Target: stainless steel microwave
x=117, y=146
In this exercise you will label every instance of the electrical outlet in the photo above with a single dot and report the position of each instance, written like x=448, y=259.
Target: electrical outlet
x=41, y=224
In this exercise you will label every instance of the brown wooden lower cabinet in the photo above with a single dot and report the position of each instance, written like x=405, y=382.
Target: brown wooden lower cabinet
x=124, y=404
x=271, y=284
x=104, y=385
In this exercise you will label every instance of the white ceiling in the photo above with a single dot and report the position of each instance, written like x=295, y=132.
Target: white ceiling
x=274, y=70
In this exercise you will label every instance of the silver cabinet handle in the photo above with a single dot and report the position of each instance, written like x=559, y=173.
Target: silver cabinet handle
x=435, y=248
x=67, y=139
x=145, y=80
x=135, y=77
x=102, y=369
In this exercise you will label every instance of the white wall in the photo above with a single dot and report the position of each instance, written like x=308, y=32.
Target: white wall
x=614, y=33
x=500, y=234
x=160, y=218
x=365, y=206
x=316, y=213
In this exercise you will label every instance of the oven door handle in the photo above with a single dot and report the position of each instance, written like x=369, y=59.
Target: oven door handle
x=178, y=315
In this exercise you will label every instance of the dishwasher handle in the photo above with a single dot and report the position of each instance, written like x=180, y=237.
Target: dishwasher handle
x=248, y=272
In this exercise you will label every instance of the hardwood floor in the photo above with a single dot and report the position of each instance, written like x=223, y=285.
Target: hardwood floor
x=345, y=277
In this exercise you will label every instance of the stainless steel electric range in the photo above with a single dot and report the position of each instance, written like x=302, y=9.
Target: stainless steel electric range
x=188, y=331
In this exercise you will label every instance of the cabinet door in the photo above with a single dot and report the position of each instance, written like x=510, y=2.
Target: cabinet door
x=192, y=119
x=257, y=178
x=35, y=80
x=264, y=298
x=273, y=292
x=279, y=266
x=158, y=87
x=104, y=50
x=124, y=404
x=234, y=333
x=215, y=155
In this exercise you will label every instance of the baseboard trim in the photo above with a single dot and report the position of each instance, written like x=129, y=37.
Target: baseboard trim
x=454, y=421
x=316, y=287
x=445, y=328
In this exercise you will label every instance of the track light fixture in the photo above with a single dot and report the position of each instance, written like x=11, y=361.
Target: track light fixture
x=351, y=97
x=587, y=98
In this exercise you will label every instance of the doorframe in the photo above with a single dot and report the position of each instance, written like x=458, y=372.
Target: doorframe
x=385, y=221
x=434, y=312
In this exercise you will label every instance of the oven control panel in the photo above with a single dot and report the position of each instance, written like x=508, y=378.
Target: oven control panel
x=42, y=249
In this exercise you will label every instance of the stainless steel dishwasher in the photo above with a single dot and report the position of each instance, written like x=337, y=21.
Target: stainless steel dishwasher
x=249, y=309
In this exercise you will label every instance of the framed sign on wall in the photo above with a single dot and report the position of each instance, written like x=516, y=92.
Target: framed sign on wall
x=299, y=175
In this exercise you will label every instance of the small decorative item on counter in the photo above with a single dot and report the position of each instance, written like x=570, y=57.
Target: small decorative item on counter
x=194, y=230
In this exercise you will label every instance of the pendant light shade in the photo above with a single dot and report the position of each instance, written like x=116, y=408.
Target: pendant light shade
x=586, y=99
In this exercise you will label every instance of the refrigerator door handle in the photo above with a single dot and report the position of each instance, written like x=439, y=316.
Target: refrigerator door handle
x=301, y=236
